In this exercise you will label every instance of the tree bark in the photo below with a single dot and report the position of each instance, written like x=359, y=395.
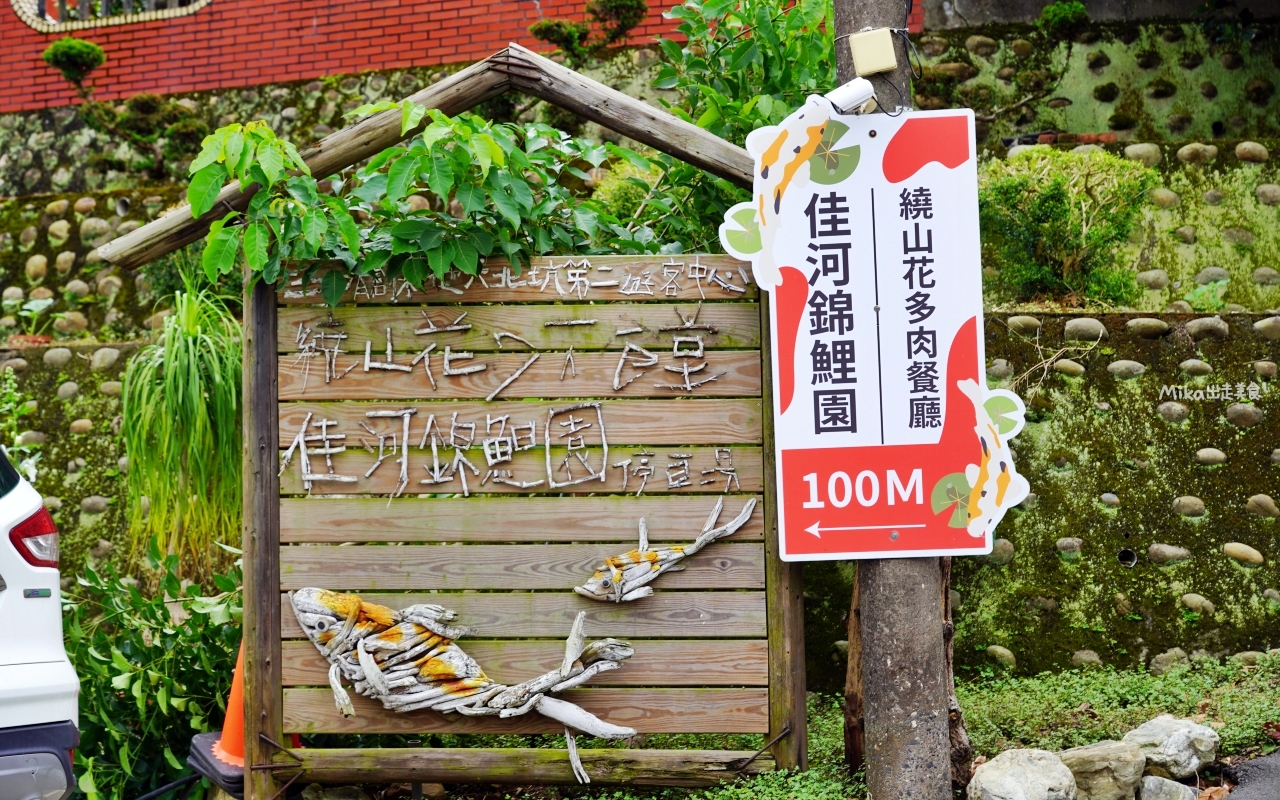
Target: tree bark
x=961, y=747
x=899, y=680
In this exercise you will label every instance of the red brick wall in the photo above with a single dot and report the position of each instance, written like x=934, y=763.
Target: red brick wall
x=915, y=22
x=233, y=43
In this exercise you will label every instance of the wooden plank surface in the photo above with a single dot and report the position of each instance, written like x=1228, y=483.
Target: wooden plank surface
x=676, y=519
x=647, y=710
x=737, y=326
x=656, y=422
x=522, y=766
x=726, y=662
x=531, y=466
x=738, y=374
x=668, y=614
x=723, y=565
x=495, y=282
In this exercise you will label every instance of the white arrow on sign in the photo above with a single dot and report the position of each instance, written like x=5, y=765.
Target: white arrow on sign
x=815, y=529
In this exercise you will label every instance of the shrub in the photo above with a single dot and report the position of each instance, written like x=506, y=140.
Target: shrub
x=152, y=674
x=1053, y=223
x=615, y=19
x=75, y=59
x=1063, y=18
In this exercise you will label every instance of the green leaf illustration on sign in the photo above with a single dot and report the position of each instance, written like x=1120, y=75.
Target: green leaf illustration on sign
x=829, y=165
x=747, y=240
x=1001, y=408
x=952, y=490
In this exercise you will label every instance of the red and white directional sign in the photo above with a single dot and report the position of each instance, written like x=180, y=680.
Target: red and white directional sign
x=865, y=230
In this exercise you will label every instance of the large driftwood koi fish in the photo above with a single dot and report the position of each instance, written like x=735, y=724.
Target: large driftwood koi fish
x=626, y=577
x=408, y=660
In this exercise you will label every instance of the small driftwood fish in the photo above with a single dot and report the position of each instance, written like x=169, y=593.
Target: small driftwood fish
x=624, y=578
x=408, y=660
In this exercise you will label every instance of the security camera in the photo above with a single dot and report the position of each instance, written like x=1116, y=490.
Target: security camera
x=852, y=96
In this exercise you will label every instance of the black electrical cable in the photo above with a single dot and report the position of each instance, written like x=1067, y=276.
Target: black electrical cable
x=169, y=787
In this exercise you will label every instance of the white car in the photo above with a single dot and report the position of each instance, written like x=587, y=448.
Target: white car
x=39, y=691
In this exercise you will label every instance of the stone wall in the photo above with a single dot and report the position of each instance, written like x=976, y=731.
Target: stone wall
x=969, y=13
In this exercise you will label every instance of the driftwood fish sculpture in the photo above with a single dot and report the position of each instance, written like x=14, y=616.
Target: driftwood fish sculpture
x=408, y=660
x=624, y=578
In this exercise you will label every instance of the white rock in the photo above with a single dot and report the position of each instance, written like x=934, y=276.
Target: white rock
x=1106, y=770
x=1155, y=788
x=1023, y=775
x=1175, y=748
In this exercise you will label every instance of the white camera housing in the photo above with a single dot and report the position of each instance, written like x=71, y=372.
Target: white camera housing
x=852, y=96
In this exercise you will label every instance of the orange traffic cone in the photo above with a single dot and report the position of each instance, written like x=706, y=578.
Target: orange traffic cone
x=220, y=757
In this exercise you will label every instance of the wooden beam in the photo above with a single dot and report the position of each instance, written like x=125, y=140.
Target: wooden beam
x=264, y=712
x=513, y=67
x=521, y=766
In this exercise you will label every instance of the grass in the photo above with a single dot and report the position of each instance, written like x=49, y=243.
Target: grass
x=1079, y=707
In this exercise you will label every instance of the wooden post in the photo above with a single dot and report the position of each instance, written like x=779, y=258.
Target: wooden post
x=263, y=715
x=854, y=734
x=785, y=612
x=902, y=661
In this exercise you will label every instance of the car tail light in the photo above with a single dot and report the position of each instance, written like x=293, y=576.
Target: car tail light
x=36, y=539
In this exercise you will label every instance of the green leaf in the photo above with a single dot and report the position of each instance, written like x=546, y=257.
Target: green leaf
x=401, y=175
x=1004, y=412
x=490, y=149
x=470, y=196
x=746, y=53
x=467, y=259
x=411, y=114
x=314, y=226
x=374, y=260
x=271, y=162
x=292, y=153
x=231, y=149
x=210, y=152
x=86, y=783
x=438, y=260
x=506, y=206
x=952, y=490
x=220, y=250
x=162, y=699
x=203, y=190
x=332, y=286
x=121, y=682
x=346, y=224
x=173, y=761
x=630, y=156
x=440, y=178
x=414, y=270
x=124, y=760
x=257, y=237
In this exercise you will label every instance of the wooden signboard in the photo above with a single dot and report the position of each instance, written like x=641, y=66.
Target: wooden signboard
x=485, y=445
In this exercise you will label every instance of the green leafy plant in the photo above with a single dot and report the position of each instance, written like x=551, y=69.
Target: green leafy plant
x=477, y=190
x=1063, y=18
x=182, y=433
x=75, y=59
x=161, y=127
x=32, y=315
x=1208, y=297
x=14, y=405
x=613, y=18
x=154, y=670
x=1053, y=223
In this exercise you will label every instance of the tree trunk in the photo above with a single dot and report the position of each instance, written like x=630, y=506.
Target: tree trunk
x=961, y=747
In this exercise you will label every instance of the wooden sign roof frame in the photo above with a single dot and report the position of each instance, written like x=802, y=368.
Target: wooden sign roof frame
x=272, y=766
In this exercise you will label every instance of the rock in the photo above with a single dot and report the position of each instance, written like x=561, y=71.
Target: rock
x=1212, y=197
x=31, y=437
x=1275, y=456
x=104, y=358
x=1030, y=326
x=958, y=70
x=92, y=230
x=1022, y=775
x=85, y=204
x=102, y=549
x=1197, y=603
x=1269, y=327
x=1268, y=194
x=1164, y=554
x=1107, y=770
x=956, y=598
x=111, y=388
x=1068, y=367
x=13, y=294
x=1243, y=553
x=57, y=208
x=1157, y=788
x=110, y=285
x=934, y=46
x=1265, y=369
x=1251, y=151
x=1264, y=506
x=71, y=322
x=1266, y=276
x=1098, y=60
x=1179, y=307
x=1167, y=661
x=1152, y=278
x=1006, y=73
x=981, y=45
x=1197, y=153
x=37, y=267
x=1249, y=658
x=1001, y=552
x=123, y=464
x=57, y=357
x=1084, y=329
x=1000, y=370
x=1211, y=456
x=1188, y=506
x=1212, y=275
x=94, y=504
x=1122, y=605
x=1021, y=48
x=1109, y=499
x=1149, y=154
x=1085, y=658
x=156, y=321
x=1165, y=198
x=17, y=365
x=1238, y=236
x=1069, y=547
x=64, y=262
x=77, y=288
x=68, y=390
x=1125, y=369
x=81, y=426
x=1194, y=366
x=1175, y=748
x=1244, y=415
x=1003, y=655
x=1187, y=233
x=1173, y=412
x=418, y=203
x=1272, y=596
x=42, y=293
x=59, y=230
x=53, y=503
x=1207, y=326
